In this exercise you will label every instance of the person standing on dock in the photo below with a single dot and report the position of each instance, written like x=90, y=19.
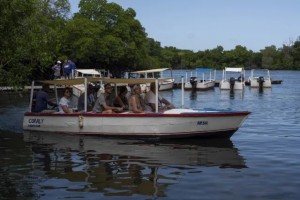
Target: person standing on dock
x=56, y=68
x=69, y=68
x=72, y=68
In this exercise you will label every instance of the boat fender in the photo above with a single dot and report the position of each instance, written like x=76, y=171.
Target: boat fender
x=80, y=120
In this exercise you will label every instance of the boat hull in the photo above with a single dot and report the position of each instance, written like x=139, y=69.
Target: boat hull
x=155, y=125
x=260, y=78
x=225, y=85
x=166, y=85
x=206, y=85
x=255, y=84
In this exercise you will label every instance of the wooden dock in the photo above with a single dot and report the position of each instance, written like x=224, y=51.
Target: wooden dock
x=37, y=87
x=217, y=83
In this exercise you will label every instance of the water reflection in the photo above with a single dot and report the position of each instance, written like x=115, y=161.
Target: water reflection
x=117, y=167
x=260, y=91
x=233, y=94
x=193, y=95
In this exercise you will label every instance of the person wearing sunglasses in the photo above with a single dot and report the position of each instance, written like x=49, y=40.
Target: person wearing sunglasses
x=65, y=101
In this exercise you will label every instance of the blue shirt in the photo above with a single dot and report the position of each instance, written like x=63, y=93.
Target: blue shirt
x=41, y=101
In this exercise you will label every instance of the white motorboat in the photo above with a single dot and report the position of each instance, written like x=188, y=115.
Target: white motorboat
x=233, y=79
x=78, y=89
x=260, y=78
x=175, y=123
x=167, y=82
x=205, y=81
x=81, y=73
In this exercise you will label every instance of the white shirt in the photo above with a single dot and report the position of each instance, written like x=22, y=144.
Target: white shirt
x=151, y=98
x=63, y=102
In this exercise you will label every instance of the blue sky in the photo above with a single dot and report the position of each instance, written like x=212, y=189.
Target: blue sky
x=205, y=24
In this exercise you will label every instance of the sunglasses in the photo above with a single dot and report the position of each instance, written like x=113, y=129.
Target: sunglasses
x=67, y=91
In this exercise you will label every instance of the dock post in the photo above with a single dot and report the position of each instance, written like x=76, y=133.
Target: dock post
x=182, y=92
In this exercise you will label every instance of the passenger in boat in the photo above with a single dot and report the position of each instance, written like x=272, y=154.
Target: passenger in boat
x=104, y=103
x=65, y=101
x=150, y=99
x=136, y=102
x=90, y=99
x=121, y=100
x=130, y=93
x=41, y=99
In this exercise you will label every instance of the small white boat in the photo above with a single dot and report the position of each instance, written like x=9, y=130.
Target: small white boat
x=78, y=89
x=202, y=82
x=260, y=78
x=175, y=123
x=81, y=73
x=233, y=79
x=167, y=82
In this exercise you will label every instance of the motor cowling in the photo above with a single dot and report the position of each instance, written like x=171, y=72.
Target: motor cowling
x=261, y=81
x=193, y=81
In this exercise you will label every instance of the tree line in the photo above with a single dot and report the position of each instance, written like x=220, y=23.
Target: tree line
x=36, y=33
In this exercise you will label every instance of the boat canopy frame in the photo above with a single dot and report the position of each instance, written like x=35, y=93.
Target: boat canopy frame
x=85, y=81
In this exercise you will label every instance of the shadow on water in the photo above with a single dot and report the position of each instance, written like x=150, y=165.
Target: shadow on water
x=261, y=91
x=193, y=95
x=15, y=159
x=113, y=167
x=232, y=94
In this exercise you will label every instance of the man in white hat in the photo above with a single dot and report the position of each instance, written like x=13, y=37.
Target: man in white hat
x=56, y=68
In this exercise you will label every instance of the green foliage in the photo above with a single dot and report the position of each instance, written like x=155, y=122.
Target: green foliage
x=31, y=38
x=36, y=33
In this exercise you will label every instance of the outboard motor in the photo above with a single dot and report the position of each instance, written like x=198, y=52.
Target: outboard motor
x=193, y=81
x=260, y=81
x=232, y=82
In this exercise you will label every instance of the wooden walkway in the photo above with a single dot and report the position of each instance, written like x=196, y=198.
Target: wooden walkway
x=176, y=86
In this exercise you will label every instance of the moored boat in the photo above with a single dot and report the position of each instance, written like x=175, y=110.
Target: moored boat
x=166, y=82
x=202, y=79
x=260, y=78
x=232, y=79
x=175, y=123
x=78, y=89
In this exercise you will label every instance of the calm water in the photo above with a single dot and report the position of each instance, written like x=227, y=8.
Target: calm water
x=261, y=161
